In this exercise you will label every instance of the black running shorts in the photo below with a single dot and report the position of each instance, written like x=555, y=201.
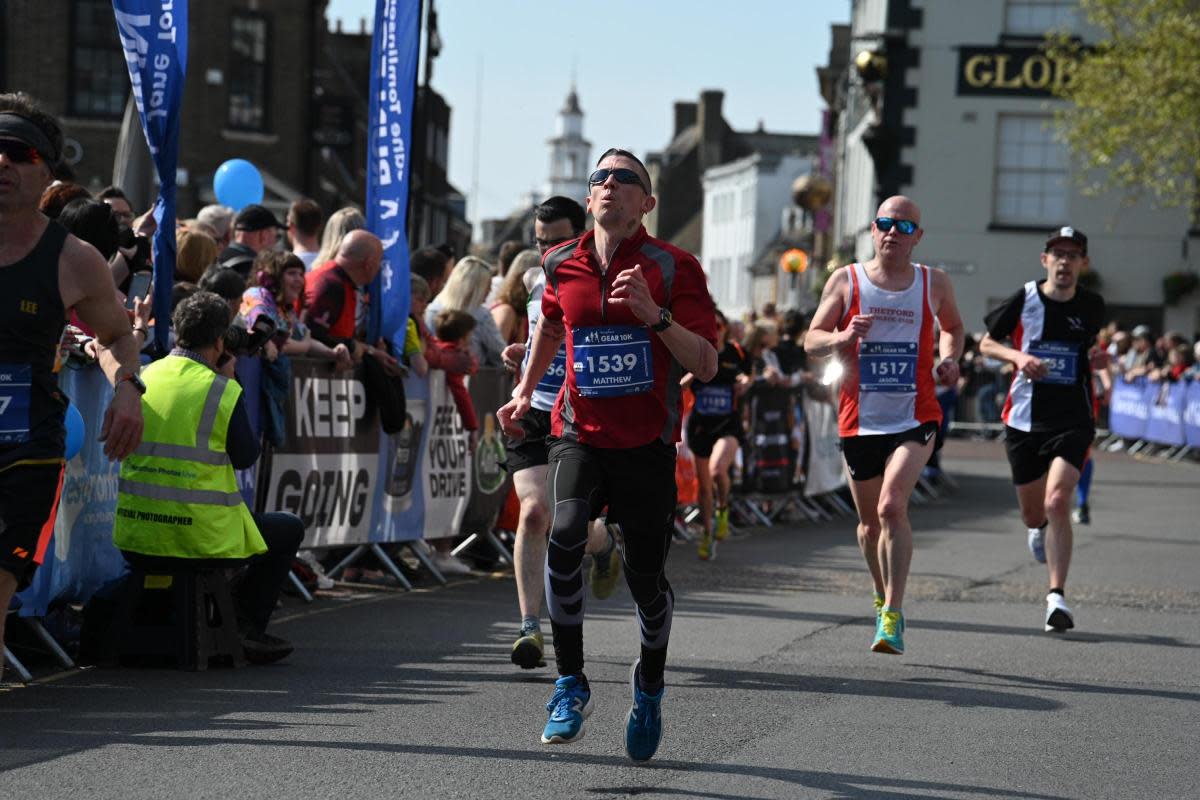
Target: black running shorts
x=866, y=456
x=1030, y=454
x=530, y=450
x=28, y=502
x=704, y=432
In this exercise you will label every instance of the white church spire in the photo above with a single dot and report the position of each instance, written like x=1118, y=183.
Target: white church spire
x=569, y=152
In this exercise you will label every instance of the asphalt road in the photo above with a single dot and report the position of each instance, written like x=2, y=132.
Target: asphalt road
x=772, y=690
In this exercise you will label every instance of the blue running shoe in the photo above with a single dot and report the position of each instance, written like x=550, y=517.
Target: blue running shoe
x=889, y=637
x=643, y=723
x=569, y=707
x=1037, y=544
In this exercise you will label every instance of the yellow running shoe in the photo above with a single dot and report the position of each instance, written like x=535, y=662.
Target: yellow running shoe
x=722, y=523
x=528, y=649
x=707, y=547
x=606, y=567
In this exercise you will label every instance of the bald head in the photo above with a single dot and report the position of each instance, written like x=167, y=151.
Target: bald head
x=360, y=255
x=900, y=207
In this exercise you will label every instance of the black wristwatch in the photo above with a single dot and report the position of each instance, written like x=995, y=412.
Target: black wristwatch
x=134, y=381
x=664, y=320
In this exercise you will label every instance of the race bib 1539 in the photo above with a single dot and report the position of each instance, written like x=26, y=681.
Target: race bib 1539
x=612, y=360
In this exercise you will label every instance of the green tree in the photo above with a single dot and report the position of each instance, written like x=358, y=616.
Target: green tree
x=1134, y=118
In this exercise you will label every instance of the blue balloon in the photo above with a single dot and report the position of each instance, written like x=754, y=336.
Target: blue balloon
x=237, y=184
x=74, y=431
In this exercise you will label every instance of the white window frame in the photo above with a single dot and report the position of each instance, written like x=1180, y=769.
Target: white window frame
x=1036, y=17
x=1031, y=173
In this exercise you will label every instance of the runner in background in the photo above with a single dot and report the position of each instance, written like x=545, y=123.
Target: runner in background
x=1051, y=325
x=557, y=220
x=715, y=432
x=878, y=319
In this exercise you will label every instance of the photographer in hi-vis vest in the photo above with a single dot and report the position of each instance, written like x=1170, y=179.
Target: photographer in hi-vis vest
x=178, y=495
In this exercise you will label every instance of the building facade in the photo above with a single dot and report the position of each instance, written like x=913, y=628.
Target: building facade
x=241, y=98
x=748, y=207
x=961, y=120
x=266, y=81
x=701, y=140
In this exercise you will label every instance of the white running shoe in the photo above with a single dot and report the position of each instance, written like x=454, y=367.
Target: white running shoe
x=1037, y=544
x=1058, y=616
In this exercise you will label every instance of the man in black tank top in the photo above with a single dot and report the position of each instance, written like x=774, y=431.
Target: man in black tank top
x=44, y=273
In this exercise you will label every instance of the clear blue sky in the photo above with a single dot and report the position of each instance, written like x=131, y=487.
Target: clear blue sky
x=631, y=60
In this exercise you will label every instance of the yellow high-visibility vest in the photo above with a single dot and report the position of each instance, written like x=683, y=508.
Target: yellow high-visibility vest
x=177, y=495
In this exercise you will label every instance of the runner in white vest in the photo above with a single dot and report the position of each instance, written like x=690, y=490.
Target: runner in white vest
x=877, y=319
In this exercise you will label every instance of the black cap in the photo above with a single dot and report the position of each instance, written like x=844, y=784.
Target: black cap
x=1067, y=234
x=255, y=218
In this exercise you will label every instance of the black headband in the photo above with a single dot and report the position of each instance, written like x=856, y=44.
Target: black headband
x=15, y=126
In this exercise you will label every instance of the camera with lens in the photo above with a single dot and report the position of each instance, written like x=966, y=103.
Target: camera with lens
x=141, y=260
x=241, y=342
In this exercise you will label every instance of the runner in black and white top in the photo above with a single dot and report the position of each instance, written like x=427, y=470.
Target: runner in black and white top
x=1051, y=326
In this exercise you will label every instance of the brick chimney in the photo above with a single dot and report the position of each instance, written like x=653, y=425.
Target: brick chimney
x=685, y=117
x=712, y=127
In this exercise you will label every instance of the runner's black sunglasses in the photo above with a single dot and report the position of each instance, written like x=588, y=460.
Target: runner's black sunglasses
x=21, y=153
x=623, y=175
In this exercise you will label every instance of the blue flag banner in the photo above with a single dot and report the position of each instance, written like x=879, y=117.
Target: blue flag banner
x=154, y=37
x=389, y=136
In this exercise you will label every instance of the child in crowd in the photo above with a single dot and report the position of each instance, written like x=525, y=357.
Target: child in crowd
x=414, y=341
x=452, y=331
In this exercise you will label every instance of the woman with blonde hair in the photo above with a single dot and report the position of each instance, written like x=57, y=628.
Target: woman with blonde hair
x=508, y=310
x=465, y=290
x=340, y=223
x=194, y=253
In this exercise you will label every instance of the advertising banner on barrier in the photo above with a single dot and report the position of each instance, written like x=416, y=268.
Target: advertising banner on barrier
x=446, y=468
x=1165, y=402
x=1191, y=415
x=81, y=557
x=490, y=389
x=434, y=484
x=825, y=473
x=326, y=470
x=1128, y=409
x=400, y=505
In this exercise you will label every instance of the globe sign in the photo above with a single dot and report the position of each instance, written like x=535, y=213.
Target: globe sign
x=794, y=261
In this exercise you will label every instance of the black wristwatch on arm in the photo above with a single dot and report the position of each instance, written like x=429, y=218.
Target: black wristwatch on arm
x=134, y=380
x=664, y=320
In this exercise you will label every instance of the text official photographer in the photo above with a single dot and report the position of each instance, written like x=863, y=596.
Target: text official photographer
x=178, y=496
